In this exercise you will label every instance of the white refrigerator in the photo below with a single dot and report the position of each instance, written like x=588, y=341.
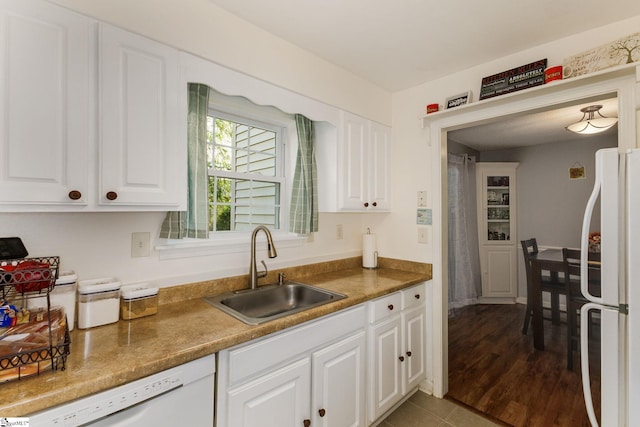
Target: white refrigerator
x=617, y=186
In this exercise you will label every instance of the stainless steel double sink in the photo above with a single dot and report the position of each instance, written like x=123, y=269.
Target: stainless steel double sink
x=269, y=302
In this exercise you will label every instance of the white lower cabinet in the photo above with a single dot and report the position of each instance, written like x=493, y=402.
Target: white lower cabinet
x=311, y=375
x=338, y=381
x=413, y=322
x=397, y=363
x=343, y=370
x=278, y=399
x=385, y=366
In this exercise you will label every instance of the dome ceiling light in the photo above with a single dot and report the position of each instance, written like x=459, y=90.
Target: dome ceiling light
x=590, y=124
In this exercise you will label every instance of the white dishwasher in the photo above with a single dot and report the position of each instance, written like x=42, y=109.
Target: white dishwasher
x=180, y=396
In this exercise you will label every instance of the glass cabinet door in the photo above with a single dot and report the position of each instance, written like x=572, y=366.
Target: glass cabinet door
x=498, y=207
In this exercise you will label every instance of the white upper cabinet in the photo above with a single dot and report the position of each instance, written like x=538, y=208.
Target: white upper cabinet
x=141, y=149
x=354, y=166
x=364, y=152
x=46, y=111
x=379, y=167
x=92, y=117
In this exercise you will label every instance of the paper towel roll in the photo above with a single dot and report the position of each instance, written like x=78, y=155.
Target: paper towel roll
x=369, y=253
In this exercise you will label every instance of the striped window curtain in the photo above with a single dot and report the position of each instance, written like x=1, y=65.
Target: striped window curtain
x=303, y=216
x=194, y=221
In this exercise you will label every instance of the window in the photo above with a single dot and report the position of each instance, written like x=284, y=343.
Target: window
x=246, y=179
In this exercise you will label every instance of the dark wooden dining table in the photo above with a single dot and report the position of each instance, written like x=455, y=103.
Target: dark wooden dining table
x=546, y=260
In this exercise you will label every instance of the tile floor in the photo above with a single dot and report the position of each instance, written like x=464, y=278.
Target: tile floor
x=422, y=410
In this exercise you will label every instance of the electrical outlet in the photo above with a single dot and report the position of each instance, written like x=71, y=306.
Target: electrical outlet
x=140, y=244
x=339, y=232
x=422, y=199
x=423, y=235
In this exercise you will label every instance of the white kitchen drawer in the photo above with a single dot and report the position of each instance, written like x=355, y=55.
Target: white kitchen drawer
x=413, y=296
x=384, y=307
x=247, y=360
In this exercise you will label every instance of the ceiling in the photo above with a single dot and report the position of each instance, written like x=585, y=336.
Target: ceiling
x=398, y=44
x=533, y=128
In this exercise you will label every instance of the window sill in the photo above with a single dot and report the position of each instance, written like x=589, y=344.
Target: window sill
x=187, y=248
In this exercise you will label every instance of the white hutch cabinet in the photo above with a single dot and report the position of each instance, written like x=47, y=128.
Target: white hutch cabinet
x=496, y=196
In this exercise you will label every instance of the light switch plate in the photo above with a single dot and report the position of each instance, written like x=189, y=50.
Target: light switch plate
x=140, y=244
x=422, y=199
x=423, y=235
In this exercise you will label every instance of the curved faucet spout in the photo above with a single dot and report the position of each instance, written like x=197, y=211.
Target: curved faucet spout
x=254, y=275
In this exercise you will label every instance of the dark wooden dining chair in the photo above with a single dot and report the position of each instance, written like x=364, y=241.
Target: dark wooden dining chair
x=575, y=298
x=548, y=283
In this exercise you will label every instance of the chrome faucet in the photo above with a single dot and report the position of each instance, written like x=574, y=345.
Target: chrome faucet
x=254, y=275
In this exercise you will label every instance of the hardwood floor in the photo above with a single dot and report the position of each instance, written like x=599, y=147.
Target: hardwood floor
x=495, y=369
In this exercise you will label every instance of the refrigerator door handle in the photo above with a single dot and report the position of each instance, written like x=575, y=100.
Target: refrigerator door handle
x=584, y=361
x=610, y=361
x=586, y=226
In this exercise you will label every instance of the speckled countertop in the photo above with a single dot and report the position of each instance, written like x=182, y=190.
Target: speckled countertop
x=187, y=328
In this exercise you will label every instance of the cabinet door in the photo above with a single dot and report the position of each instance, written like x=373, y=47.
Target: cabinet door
x=338, y=382
x=142, y=152
x=385, y=370
x=499, y=271
x=379, y=167
x=45, y=112
x=413, y=347
x=496, y=193
x=277, y=399
x=354, y=163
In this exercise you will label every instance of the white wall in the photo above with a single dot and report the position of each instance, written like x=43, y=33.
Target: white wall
x=413, y=157
x=99, y=245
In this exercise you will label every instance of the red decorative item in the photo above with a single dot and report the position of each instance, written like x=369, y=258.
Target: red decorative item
x=432, y=108
x=28, y=275
x=553, y=73
x=31, y=276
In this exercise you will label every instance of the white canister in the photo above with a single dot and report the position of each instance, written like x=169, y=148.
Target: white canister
x=63, y=294
x=98, y=302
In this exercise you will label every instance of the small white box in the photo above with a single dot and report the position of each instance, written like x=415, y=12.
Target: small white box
x=98, y=302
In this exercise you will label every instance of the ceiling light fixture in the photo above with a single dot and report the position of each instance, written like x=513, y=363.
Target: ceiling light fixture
x=589, y=124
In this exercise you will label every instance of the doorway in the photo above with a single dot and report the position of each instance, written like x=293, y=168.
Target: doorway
x=520, y=104
x=490, y=361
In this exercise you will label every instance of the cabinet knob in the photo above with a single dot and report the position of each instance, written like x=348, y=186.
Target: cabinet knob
x=366, y=204
x=112, y=195
x=401, y=358
x=408, y=354
x=417, y=296
x=75, y=194
x=390, y=306
x=374, y=204
x=306, y=423
x=322, y=412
